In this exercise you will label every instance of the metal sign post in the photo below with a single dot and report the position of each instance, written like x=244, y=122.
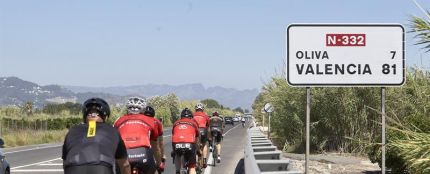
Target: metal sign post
x=268, y=107
x=268, y=133
x=264, y=113
x=308, y=117
x=383, y=128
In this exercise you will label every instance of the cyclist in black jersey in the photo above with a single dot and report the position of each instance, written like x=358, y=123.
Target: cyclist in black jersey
x=94, y=146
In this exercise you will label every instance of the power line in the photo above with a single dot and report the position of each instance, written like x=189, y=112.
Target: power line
x=421, y=8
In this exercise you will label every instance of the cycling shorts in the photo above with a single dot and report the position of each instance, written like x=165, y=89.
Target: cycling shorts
x=87, y=169
x=216, y=133
x=203, y=135
x=188, y=150
x=142, y=158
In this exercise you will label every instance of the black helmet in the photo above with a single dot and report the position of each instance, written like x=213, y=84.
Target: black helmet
x=96, y=103
x=186, y=113
x=149, y=111
x=215, y=113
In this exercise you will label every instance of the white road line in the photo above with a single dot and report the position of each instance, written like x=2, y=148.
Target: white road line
x=229, y=130
x=208, y=169
x=51, y=164
x=167, y=136
x=35, y=163
x=36, y=148
x=36, y=170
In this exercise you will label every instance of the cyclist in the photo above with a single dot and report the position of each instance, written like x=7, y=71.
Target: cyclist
x=203, y=122
x=243, y=120
x=139, y=135
x=149, y=111
x=94, y=146
x=217, y=128
x=185, y=136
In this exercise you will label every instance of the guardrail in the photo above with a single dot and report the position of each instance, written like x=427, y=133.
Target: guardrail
x=261, y=156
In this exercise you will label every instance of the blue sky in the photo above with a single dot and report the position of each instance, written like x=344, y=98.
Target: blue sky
x=238, y=44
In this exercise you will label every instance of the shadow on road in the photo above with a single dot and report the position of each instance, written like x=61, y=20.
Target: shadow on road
x=240, y=167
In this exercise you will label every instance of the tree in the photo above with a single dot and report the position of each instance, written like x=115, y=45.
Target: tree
x=421, y=27
x=238, y=109
x=211, y=103
x=28, y=108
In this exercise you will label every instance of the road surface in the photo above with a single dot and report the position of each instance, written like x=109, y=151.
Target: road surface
x=46, y=158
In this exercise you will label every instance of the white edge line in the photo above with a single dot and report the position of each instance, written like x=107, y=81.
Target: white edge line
x=37, y=170
x=51, y=164
x=208, y=169
x=35, y=163
x=36, y=148
x=229, y=130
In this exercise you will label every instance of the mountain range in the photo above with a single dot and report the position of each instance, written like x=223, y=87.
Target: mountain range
x=15, y=91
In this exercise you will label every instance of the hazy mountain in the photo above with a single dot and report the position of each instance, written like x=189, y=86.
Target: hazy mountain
x=14, y=91
x=227, y=96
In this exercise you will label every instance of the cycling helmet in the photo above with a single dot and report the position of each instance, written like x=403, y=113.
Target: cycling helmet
x=149, y=111
x=200, y=106
x=186, y=113
x=215, y=113
x=97, y=104
x=135, y=105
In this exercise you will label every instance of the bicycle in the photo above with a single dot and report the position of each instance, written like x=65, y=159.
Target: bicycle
x=214, y=147
x=183, y=148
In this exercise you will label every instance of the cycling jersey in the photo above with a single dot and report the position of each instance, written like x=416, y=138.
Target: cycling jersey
x=202, y=119
x=159, y=126
x=79, y=149
x=216, y=122
x=137, y=130
x=185, y=130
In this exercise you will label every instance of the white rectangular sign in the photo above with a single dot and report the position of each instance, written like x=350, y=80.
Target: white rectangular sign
x=345, y=55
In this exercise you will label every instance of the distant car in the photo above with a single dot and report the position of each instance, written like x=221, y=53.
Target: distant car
x=228, y=120
x=236, y=119
x=4, y=165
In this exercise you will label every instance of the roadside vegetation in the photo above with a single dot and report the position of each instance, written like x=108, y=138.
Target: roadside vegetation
x=28, y=125
x=348, y=120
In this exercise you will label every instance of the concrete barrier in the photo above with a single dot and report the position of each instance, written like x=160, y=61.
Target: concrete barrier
x=261, y=156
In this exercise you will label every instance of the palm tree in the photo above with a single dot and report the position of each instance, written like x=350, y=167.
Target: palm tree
x=421, y=27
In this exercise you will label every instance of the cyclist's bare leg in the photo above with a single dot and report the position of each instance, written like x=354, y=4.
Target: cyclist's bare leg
x=192, y=170
x=218, y=148
x=205, y=150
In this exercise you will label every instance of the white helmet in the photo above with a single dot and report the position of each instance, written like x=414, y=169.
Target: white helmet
x=200, y=106
x=135, y=105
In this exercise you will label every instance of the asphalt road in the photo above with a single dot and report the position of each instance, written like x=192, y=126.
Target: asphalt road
x=46, y=158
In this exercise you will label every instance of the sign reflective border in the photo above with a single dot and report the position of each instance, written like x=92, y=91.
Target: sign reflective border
x=345, y=55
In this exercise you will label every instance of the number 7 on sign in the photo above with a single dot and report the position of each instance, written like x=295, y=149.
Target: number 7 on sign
x=394, y=54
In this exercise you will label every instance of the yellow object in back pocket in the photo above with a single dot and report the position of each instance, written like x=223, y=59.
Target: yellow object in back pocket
x=91, y=128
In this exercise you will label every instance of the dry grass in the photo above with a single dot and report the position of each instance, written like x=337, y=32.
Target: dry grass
x=27, y=137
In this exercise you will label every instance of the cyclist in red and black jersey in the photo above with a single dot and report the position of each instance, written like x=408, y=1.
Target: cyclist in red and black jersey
x=140, y=136
x=149, y=111
x=203, y=122
x=185, y=136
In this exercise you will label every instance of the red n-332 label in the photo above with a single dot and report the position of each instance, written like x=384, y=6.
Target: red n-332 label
x=346, y=40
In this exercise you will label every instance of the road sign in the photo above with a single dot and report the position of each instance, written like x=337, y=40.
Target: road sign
x=345, y=55
x=268, y=107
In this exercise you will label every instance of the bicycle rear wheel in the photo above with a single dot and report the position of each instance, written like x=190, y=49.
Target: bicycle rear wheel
x=214, y=152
